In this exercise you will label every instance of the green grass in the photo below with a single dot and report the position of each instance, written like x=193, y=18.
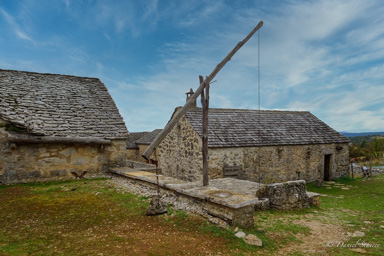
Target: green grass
x=70, y=207
x=364, y=201
x=278, y=227
x=65, y=218
x=92, y=216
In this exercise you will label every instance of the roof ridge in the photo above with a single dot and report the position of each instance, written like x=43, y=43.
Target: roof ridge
x=253, y=110
x=52, y=74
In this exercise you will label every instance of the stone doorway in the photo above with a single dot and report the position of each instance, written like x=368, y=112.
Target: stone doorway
x=327, y=167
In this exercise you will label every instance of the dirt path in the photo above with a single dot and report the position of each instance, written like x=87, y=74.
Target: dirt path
x=322, y=236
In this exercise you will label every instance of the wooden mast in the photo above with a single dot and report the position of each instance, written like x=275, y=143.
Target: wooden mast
x=147, y=154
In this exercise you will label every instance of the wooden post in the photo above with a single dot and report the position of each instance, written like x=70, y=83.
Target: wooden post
x=148, y=152
x=370, y=168
x=205, y=106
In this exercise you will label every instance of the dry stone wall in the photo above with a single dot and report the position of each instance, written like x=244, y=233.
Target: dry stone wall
x=44, y=162
x=358, y=171
x=287, y=195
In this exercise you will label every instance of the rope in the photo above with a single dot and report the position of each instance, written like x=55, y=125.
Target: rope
x=258, y=102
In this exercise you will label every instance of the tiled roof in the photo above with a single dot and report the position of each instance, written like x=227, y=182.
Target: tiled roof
x=247, y=128
x=148, y=138
x=132, y=137
x=59, y=105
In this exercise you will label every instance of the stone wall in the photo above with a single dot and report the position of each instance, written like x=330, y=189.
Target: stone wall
x=133, y=154
x=183, y=199
x=287, y=195
x=180, y=153
x=180, y=156
x=280, y=163
x=45, y=162
x=359, y=173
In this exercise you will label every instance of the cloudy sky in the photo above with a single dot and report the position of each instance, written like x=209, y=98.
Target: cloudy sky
x=326, y=57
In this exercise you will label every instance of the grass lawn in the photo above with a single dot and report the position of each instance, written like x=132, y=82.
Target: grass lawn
x=93, y=217
x=349, y=221
x=359, y=206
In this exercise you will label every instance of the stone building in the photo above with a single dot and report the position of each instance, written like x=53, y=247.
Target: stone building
x=265, y=146
x=56, y=127
x=138, y=142
x=132, y=147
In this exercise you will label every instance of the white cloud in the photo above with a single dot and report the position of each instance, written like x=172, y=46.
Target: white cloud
x=322, y=56
x=15, y=27
x=296, y=52
x=67, y=3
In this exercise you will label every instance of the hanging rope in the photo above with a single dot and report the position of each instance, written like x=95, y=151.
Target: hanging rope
x=258, y=103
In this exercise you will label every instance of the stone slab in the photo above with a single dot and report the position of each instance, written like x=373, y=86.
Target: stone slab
x=228, y=192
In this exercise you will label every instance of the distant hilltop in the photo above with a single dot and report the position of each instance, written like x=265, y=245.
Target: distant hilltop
x=356, y=134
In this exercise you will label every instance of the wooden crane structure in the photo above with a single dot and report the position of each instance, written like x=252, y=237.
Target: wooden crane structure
x=204, y=85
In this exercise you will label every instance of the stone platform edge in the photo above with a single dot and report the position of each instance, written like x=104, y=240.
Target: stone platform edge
x=191, y=189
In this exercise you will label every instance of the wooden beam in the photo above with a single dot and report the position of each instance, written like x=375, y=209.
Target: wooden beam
x=205, y=105
x=147, y=154
x=28, y=139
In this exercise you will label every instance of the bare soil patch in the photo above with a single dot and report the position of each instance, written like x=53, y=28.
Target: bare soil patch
x=322, y=236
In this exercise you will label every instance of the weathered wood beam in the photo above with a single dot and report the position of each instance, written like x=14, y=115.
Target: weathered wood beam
x=28, y=139
x=205, y=105
x=147, y=154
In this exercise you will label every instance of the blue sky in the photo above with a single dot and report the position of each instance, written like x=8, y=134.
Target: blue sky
x=326, y=57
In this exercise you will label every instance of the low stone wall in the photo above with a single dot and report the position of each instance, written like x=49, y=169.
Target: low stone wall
x=242, y=216
x=230, y=200
x=358, y=171
x=286, y=196
x=21, y=163
x=206, y=201
x=167, y=197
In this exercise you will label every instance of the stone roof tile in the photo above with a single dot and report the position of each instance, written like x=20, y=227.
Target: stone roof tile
x=249, y=128
x=59, y=105
x=132, y=137
x=148, y=138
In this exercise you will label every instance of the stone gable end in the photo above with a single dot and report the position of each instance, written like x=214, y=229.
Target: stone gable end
x=180, y=153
